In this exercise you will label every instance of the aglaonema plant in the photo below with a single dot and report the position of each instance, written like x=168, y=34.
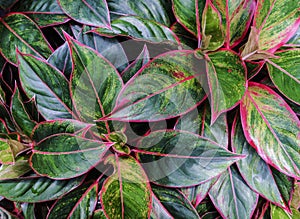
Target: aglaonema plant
x=149, y=109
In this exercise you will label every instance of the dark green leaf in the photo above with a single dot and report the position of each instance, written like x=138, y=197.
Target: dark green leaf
x=181, y=159
x=28, y=210
x=5, y=4
x=6, y=215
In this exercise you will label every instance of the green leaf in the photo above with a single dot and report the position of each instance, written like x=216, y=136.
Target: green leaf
x=166, y=87
x=24, y=35
x=236, y=19
x=272, y=128
x=89, y=12
x=95, y=84
x=232, y=197
x=156, y=10
x=285, y=74
x=36, y=189
x=189, y=13
x=212, y=29
x=99, y=214
x=5, y=4
x=187, y=39
x=295, y=40
x=28, y=210
x=207, y=210
x=255, y=171
x=279, y=213
x=12, y=171
x=80, y=203
x=136, y=65
x=126, y=193
x=276, y=22
x=53, y=159
x=48, y=85
x=6, y=215
x=20, y=114
x=139, y=28
x=180, y=159
x=9, y=149
x=169, y=203
x=226, y=74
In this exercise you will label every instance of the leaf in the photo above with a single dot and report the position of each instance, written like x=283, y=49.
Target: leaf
x=89, y=12
x=80, y=203
x=12, y=171
x=180, y=159
x=6, y=215
x=188, y=14
x=295, y=40
x=48, y=85
x=61, y=59
x=284, y=73
x=166, y=87
x=187, y=39
x=206, y=210
x=136, y=65
x=254, y=170
x=28, y=210
x=169, y=203
x=95, y=84
x=99, y=214
x=9, y=149
x=53, y=159
x=126, y=193
x=272, y=128
x=276, y=22
x=36, y=189
x=24, y=35
x=279, y=213
x=236, y=19
x=139, y=28
x=232, y=197
x=20, y=114
x=226, y=74
x=212, y=29
x=199, y=122
x=6, y=4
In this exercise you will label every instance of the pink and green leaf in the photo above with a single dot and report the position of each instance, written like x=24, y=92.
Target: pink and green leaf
x=272, y=128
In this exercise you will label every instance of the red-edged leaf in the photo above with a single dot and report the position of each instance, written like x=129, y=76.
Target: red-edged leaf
x=180, y=159
x=126, y=193
x=90, y=12
x=232, y=197
x=24, y=35
x=272, y=128
x=236, y=19
x=276, y=21
x=226, y=74
x=166, y=87
x=254, y=170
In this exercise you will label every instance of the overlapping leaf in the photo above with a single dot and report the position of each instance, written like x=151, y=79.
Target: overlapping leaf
x=272, y=128
x=12, y=171
x=94, y=13
x=24, y=35
x=226, y=74
x=284, y=72
x=9, y=149
x=232, y=197
x=166, y=87
x=126, y=194
x=181, y=159
x=139, y=28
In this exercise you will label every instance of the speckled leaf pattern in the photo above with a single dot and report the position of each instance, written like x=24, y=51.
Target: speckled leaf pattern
x=212, y=29
x=279, y=213
x=226, y=74
x=232, y=197
x=139, y=28
x=276, y=21
x=236, y=18
x=80, y=203
x=169, y=203
x=272, y=128
x=180, y=159
x=51, y=151
x=189, y=13
x=295, y=40
x=36, y=189
x=21, y=117
x=254, y=170
x=89, y=12
x=167, y=86
x=284, y=72
x=157, y=10
x=48, y=85
x=126, y=193
x=24, y=35
x=95, y=84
